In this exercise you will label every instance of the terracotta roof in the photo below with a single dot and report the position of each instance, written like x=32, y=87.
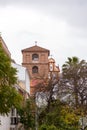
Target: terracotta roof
x=36, y=48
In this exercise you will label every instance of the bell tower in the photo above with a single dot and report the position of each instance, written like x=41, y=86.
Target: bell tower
x=35, y=59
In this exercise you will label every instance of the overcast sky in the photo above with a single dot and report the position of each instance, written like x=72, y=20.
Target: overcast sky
x=57, y=25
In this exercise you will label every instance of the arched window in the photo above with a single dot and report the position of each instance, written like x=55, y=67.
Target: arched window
x=35, y=57
x=35, y=69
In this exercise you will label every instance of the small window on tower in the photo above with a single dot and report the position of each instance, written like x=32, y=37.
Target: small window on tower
x=51, y=67
x=35, y=57
x=35, y=69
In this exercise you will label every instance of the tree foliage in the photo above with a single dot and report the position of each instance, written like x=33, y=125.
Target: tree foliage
x=27, y=114
x=71, y=88
x=8, y=95
x=60, y=117
x=45, y=127
x=75, y=80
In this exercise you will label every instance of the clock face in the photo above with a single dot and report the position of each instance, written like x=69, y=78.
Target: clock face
x=51, y=67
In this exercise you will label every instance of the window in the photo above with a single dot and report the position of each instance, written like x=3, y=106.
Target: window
x=35, y=69
x=12, y=112
x=51, y=67
x=14, y=120
x=35, y=57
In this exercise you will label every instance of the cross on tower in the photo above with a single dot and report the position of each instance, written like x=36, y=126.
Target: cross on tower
x=35, y=43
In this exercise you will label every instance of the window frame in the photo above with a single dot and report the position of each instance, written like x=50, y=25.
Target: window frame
x=35, y=57
x=34, y=70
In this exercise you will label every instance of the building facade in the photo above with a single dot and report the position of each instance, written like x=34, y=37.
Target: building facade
x=35, y=59
x=10, y=121
x=40, y=66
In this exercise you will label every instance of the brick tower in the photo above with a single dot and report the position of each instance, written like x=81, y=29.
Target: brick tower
x=35, y=59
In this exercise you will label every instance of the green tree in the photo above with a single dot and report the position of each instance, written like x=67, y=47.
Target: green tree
x=73, y=81
x=75, y=77
x=8, y=95
x=60, y=117
x=27, y=114
x=45, y=127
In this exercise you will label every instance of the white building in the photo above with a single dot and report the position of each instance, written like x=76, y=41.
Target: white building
x=10, y=122
x=23, y=77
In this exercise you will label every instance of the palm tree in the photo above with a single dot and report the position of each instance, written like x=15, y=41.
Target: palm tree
x=72, y=62
x=75, y=72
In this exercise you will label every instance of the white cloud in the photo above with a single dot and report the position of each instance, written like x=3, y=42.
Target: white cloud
x=56, y=25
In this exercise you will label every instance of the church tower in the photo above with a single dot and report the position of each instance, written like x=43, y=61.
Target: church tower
x=35, y=59
x=40, y=66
